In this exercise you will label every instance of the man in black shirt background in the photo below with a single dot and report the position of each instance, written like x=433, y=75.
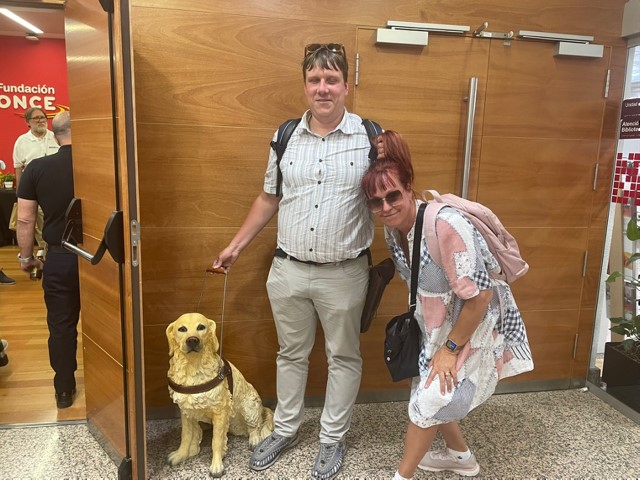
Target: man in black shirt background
x=48, y=182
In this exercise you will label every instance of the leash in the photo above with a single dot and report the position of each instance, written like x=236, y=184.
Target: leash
x=220, y=271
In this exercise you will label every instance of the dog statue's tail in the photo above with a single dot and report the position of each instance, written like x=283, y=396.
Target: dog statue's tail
x=264, y=428
x=267, y=422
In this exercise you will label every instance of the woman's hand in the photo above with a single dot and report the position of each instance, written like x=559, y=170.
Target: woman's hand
x=443, y=365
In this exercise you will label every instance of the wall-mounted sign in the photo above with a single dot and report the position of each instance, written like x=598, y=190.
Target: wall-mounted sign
x=630, y=119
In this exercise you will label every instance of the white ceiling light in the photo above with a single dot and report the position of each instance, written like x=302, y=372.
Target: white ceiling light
x=9, y=14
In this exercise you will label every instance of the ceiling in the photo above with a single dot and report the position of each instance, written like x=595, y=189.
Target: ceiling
x=49, y=20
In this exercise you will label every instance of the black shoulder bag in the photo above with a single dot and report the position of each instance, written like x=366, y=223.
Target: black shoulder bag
x=403, y=337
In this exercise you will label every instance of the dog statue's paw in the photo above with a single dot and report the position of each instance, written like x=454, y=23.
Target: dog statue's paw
x=179, y=456
x=216, y=471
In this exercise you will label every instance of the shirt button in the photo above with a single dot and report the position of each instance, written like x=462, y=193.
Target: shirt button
x=320, y=160
x=319, y=182
x=316, y=206
x=312, y=229
x=311, y=249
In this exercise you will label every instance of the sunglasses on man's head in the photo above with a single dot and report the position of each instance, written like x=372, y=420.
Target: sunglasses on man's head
x=375, y=204
x=332, y=47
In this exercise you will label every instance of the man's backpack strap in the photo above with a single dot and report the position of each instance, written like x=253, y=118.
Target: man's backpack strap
x=373, y=130
x=280, y=145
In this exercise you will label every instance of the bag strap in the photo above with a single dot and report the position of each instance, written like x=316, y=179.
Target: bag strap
x=415, y=259
x=433, y=209
x=280, y=145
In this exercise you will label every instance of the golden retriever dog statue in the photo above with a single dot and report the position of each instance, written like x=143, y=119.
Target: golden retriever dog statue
x=208, y=388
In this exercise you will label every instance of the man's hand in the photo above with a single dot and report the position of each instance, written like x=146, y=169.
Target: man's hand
x=226, y=258
x=380, y=147
x=28, y=266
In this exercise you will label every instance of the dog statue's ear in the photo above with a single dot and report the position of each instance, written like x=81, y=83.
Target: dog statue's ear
x=171, y=340
x=212, y=331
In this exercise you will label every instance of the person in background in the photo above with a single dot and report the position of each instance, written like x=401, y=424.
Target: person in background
x=320, y=268
x=48, y=181
x=37, y=142
x=472, y=331
x=4, y=358
x=5, y=280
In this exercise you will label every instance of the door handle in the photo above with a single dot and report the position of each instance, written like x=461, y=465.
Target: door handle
x=468, y=141
x=112, y=239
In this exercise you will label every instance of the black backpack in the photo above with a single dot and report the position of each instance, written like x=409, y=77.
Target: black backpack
x=286, y=129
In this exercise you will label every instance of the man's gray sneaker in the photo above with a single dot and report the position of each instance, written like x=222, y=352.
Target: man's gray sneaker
x=268, y=450
x=329, y=460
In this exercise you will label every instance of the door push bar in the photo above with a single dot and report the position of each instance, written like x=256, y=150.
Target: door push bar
x=468, y=141
x=112, y=240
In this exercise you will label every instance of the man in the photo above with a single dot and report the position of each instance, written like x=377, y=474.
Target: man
x=37, y=142
x=320, y=267
x=49, y=182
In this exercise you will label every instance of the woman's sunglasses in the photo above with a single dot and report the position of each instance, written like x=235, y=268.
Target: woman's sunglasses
x=332, y=47
x=375, y=204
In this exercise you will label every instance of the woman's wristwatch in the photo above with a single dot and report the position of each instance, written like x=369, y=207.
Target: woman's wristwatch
x=451, y=346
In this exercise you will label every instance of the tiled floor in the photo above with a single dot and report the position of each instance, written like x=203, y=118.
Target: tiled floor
x=559, y=434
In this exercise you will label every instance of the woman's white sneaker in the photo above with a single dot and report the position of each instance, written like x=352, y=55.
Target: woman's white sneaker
x=441, y=460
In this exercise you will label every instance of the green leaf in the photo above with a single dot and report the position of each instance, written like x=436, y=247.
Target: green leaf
x=613, y=276
x=628, y=344
x=621, y=329
x=616, y=320
x=633, y=258
x=633, y=232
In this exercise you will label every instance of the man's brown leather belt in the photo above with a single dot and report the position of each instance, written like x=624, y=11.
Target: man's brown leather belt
x=282, y=254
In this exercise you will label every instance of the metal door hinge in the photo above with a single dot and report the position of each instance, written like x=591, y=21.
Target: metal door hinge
x=606, y=83
x=584, y=263
x=135, y=243
x=356, y=77
x=575, y=346
x=595, y=176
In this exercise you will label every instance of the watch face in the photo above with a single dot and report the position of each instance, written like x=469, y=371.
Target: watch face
x=451, y=345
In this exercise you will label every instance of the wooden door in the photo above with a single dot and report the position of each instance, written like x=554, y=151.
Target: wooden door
x=105, y=181
x=532, y=162
x=549, y=111
x=421, y=93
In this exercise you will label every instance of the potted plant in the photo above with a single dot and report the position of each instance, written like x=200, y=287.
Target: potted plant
x=8, y=179
x=621, y=366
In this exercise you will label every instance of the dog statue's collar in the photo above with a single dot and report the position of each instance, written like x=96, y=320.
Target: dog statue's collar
x=225, y=371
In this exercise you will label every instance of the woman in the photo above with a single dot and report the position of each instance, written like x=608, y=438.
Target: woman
x=473, y=334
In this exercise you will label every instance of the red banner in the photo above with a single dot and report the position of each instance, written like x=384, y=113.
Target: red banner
x=32, y=74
